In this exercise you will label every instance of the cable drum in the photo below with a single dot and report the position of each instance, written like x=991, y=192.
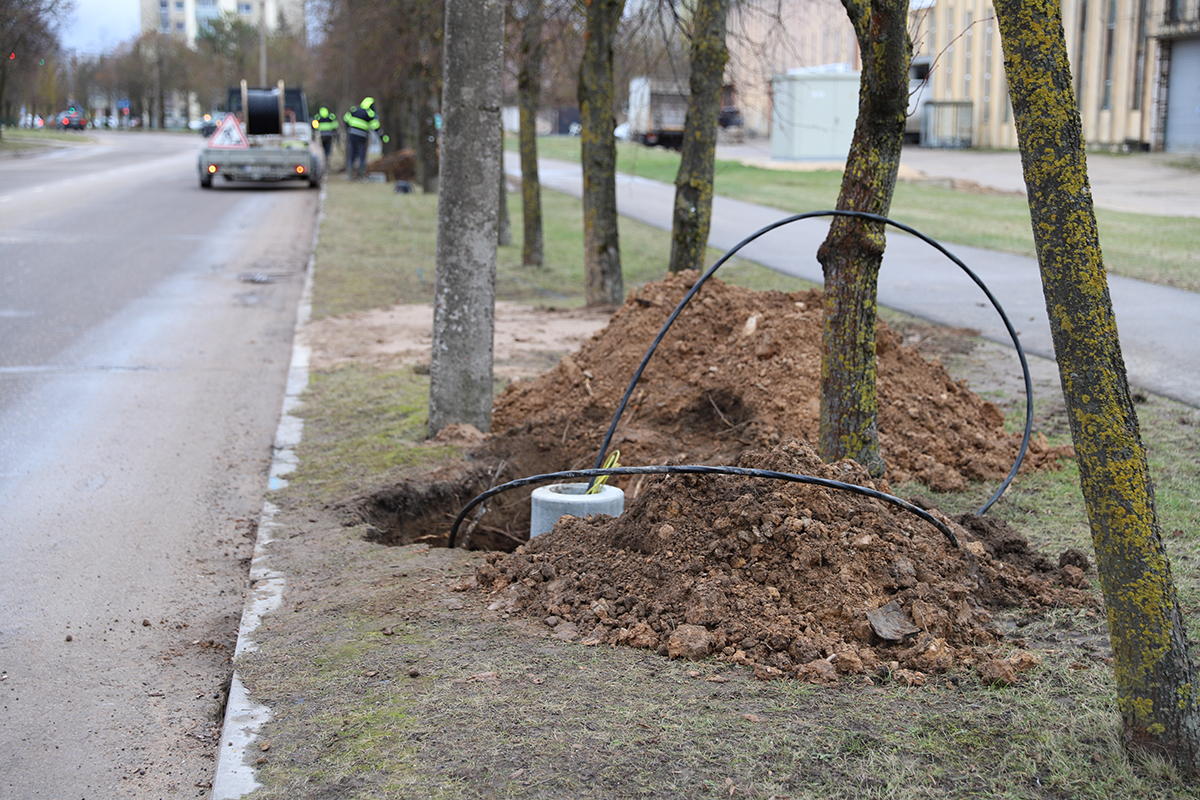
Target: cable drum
x=262, y=116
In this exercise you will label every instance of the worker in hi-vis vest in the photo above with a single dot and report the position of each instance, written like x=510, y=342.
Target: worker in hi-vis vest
x=360, y=121
x=327, y=125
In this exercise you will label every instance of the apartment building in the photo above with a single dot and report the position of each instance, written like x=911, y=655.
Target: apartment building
x=186, y=18
x=1135, y=64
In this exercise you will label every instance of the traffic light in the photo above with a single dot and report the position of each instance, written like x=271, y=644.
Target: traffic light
x=11, y=56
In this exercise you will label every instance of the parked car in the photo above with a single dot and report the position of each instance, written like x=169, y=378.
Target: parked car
x=208, y=125
x=69, y=119
x=32, y=121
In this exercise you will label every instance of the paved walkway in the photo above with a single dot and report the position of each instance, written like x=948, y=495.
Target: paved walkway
x=1159, y=326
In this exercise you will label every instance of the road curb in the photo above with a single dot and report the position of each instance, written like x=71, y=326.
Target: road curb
x=235, y=775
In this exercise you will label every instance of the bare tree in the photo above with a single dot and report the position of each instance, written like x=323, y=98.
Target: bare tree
x=694, y=182
x=602, y=252
x=853, y=251
x=503, y=224
x=392, y=51
x=1155, y=676
x=529, y=92
x=27, y=36
x=460, y=369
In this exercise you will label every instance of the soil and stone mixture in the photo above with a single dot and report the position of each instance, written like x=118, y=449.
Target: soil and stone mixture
x=792, y=579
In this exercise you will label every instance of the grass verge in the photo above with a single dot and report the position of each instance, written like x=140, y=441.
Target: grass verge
x=383, y=682
x=16, y=141
x=377, y=248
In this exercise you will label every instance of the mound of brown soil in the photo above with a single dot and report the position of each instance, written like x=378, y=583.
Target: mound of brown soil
x=793, y=579
x=398, y=166
x=741, y=369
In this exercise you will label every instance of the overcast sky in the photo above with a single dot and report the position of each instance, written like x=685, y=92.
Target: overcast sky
x=98, y=26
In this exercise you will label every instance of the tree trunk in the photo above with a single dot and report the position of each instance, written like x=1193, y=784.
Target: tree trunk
x=427, y=147
x=503, y=224
x=529, y=93
x=602, y=253
x=1154, y=674
x=460, y=368
x=694, y=181
x=853, y=251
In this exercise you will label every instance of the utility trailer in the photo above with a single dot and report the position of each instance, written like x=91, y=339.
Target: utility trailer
x=266, y=135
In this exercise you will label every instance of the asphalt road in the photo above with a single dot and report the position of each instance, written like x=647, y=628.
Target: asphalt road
x=141, y=376
x=1158, y=326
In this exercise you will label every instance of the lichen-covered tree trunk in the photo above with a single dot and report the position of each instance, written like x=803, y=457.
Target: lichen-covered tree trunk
x=694, y=181
x=601, y=248
x=853, y=251
x=529, y=98
x=1156, y=695
x=460, y=367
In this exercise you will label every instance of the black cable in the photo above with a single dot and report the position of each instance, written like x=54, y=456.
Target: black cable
x=637, y=375
x=697, y=469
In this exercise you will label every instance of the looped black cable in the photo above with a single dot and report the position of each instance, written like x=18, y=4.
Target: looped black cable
x=698, y=469
x=862, y=215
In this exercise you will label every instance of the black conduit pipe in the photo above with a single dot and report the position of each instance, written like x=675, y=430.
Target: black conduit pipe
x=697, y=469
x=861, y=215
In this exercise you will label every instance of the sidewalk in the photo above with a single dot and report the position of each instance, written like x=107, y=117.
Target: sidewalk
x=1158, y=325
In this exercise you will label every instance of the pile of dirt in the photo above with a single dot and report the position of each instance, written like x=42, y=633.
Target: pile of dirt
x=398, y=166
x=792, y=579
x=741, y=369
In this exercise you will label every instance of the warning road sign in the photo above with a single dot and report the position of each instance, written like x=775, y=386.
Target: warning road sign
x=228, y=135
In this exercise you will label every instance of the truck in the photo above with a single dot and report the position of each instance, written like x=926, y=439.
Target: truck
x=657, y=111
x=265, y=135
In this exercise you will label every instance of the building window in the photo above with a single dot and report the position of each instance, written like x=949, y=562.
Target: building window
x=1139, y=58
x=987, y=74
x=1108, y=53
x=180, y=27
x=1080, y=64
x=245, y=9
x=179, y=5
x=968, y=25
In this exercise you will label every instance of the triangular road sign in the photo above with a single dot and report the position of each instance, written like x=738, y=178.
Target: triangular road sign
x=228, y=135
